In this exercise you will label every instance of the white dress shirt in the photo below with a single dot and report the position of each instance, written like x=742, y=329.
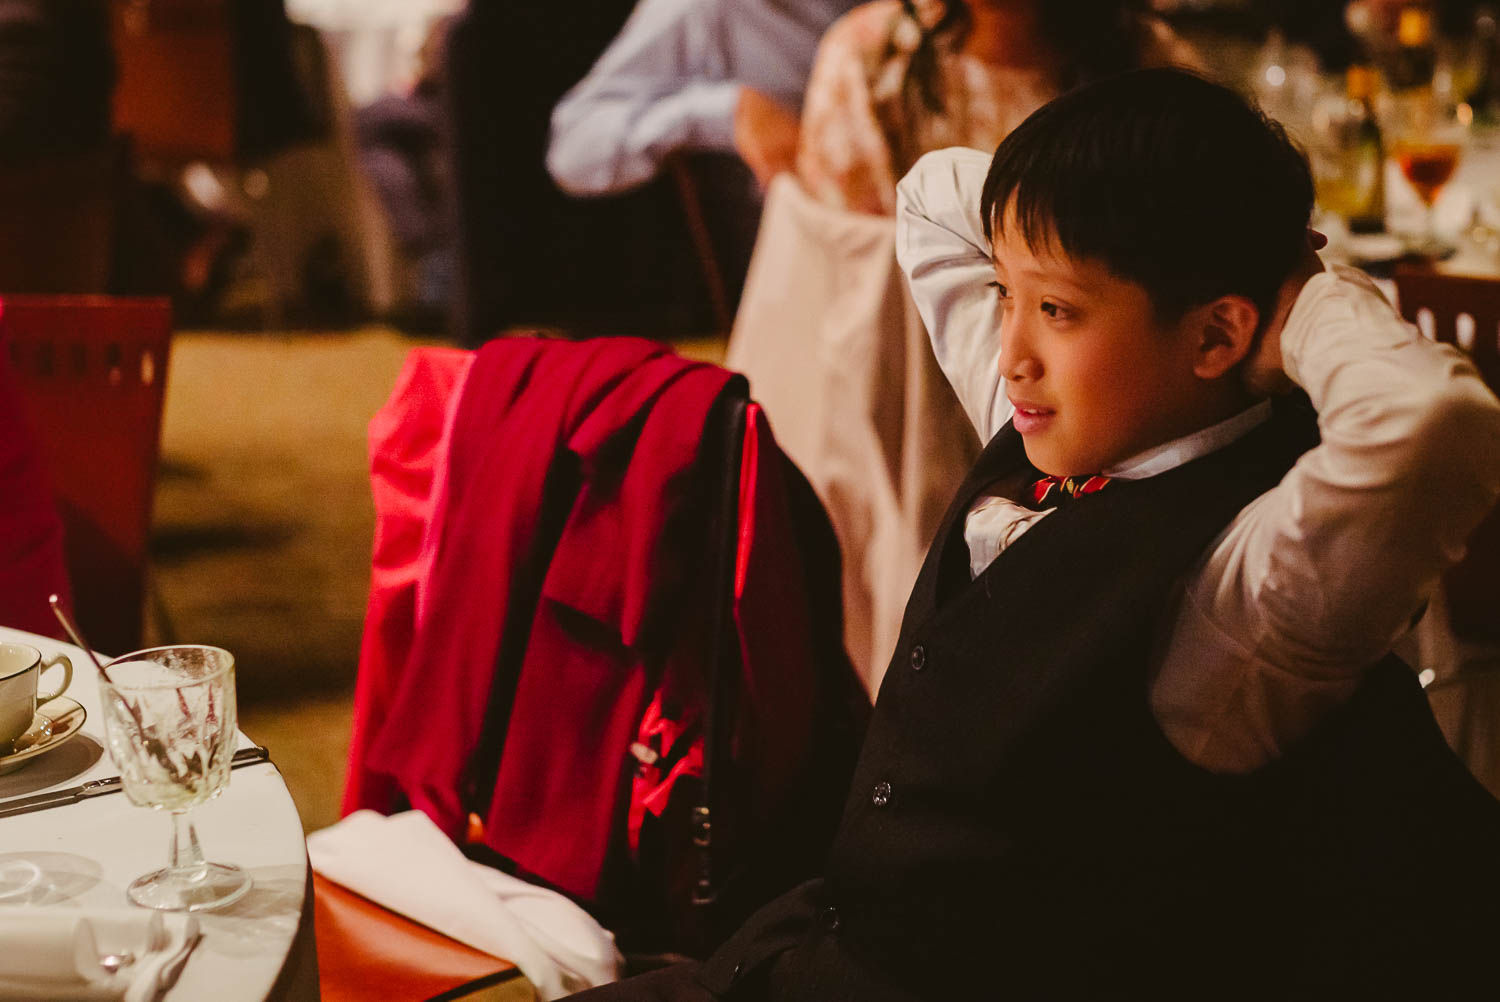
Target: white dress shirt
x=671, y=81
x=1315, y=579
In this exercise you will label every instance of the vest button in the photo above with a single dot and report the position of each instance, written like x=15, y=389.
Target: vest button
x=739, y=970
x=918, y=657
x=881, y=795
x=831, y=918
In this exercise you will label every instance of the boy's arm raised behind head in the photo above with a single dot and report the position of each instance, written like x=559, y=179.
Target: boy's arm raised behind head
x=1265, y=371
x=941, y=248
x=1318, y=577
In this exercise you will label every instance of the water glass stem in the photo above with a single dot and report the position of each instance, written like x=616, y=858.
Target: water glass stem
x=186, y=853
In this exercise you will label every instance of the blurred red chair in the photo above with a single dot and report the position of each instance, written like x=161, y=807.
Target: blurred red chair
x=31, y=534
x=91, y=371
x=1464, y=310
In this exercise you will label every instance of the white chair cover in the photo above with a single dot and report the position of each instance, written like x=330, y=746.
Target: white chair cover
x=835, y=352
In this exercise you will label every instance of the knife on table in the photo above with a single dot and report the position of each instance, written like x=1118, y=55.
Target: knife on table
x=113, y=784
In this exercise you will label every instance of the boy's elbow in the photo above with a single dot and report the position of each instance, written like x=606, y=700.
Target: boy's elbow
x=930, y=161
x=1467, y=407
x=940, y=179
x=910, y=200
x=1460, y=429
x=908, y=189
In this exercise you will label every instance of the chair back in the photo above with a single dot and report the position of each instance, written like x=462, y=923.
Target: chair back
x=1464, y=310
x=829, y=336
x=744, y=731
x=229, y=83
x=175, y=90
x=92, y=373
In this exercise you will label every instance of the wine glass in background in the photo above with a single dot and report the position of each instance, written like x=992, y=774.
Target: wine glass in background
x=169, y=720
x=1347, y=156
x=1337, y=190
x=1426, y=135
x=1481, y=178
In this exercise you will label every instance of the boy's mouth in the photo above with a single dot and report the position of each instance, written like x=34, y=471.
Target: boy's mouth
x=1029, y=419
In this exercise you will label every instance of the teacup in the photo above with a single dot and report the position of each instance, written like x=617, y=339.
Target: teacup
x=20, y=669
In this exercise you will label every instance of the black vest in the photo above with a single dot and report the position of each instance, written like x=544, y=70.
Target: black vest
x=1019, y=827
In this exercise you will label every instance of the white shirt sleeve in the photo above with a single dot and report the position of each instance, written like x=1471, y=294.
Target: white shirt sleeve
x=940, y=246
x=1317, y=578
x=661, y=86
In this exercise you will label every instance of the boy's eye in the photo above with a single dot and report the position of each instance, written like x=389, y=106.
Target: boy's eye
x=1002, y=290
x=1054, y=311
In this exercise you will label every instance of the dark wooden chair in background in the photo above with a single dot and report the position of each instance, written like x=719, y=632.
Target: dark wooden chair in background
x=1465, y=311
x=1465, y=692
x=92, y=374
x=58, y=221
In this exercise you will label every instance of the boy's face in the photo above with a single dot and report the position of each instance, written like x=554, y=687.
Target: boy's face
x=1093, y=377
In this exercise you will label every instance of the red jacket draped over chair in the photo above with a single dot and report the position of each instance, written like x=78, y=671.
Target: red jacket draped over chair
x=567, y=600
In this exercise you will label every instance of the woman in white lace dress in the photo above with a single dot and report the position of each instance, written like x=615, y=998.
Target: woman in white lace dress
x=896, y=78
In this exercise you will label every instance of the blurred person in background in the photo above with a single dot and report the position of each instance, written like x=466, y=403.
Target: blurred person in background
x=403, y=152
x=721, y=76
x=720, y=80
x=897, y=78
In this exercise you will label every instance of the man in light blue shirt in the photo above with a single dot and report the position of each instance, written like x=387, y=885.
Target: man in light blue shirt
x=695, y=76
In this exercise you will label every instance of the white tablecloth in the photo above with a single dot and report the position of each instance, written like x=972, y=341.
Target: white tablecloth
x=91, y=850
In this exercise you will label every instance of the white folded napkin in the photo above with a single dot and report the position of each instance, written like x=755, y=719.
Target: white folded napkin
x=405, y=863
x=54, y=952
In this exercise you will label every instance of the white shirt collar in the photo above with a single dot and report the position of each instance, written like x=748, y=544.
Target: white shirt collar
x=1170, y=455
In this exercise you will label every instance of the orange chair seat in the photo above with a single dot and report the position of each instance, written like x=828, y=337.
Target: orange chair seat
x=369, y=952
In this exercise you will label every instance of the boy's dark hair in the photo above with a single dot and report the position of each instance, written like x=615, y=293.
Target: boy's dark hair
x=1168, y=180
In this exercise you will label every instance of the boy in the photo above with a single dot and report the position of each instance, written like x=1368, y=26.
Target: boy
x=1141, y=737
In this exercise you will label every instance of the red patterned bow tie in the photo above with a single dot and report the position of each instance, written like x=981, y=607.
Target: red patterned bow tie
x=1049, y=491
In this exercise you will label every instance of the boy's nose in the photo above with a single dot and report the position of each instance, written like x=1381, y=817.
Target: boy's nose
x=1017, y=361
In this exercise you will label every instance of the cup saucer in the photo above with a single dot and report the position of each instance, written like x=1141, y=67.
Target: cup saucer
x=55, y=722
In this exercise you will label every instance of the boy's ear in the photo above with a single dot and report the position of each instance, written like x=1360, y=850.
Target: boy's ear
x=1223, y=334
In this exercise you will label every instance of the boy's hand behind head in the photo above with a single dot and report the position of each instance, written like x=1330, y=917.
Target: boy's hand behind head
x=1264, y=373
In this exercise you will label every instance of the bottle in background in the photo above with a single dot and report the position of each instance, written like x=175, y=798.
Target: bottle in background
x=1367, y=207
x=1484, y=91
